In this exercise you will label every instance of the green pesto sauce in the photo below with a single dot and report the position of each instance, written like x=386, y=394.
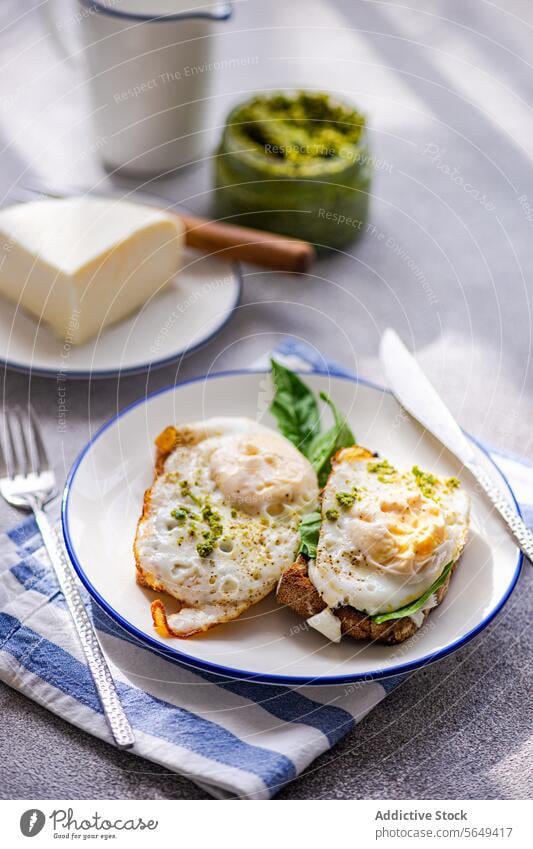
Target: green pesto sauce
x=425, y=481
x=204, y=549
x=297, y=133
x=186, y=492
x=316, y=146
x=179, y=514
x=346, y=499
x=383, y=469
x=209, y=517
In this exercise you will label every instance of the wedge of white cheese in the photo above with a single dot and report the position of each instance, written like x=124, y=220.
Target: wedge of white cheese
x=80, y=264
x=327, y=624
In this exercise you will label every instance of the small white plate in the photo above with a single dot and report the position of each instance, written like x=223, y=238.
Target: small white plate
x=184, y=315
x=103, y=499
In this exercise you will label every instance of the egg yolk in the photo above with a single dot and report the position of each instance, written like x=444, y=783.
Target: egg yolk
x=262, y=471
x=403, y=533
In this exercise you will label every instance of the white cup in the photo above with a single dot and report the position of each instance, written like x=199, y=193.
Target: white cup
x=149, y=68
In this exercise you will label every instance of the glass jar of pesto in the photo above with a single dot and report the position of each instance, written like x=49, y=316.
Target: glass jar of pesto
x=295, y=164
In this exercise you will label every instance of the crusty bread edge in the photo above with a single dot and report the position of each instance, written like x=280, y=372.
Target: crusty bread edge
x=295, y=590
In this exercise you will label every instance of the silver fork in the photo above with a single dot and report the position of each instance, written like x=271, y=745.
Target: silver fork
x=28, y=482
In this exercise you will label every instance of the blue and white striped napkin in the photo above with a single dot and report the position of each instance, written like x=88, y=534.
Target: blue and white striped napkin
x=232, y=738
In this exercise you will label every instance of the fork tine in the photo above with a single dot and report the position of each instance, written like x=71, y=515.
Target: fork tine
x=27, y=463
x=42, y=457
x=14, y=465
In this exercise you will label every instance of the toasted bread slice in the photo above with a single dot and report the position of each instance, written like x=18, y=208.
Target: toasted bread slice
x=296, y=591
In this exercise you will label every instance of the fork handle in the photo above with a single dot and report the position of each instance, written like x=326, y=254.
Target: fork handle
x=103, y=680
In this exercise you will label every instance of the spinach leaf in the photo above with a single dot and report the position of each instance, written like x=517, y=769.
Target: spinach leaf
x=294, y=407
x=296, y=410
x=409, y=609
x=309, y=531
x=325, y=445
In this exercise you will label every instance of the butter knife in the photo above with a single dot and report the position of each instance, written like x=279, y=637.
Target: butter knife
x=415, y=393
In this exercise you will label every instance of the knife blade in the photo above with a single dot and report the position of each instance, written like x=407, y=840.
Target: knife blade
x=415, y=393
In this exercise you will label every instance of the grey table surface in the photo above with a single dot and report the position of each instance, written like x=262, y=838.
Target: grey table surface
x=448, y=87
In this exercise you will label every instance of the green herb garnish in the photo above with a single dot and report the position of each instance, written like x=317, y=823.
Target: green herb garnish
x=425, y=481
x=178, y=514
x=415, y=606
x=381, y=468
x=186, y=493
x=296, y=410
x=213, y=520
x=309, y=531
x=325, y=445
x=294, y=407
x=332, y=515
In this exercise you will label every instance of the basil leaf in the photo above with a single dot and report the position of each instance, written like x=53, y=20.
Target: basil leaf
x=294, y=407
x=325, y=445
x=309, y=531
x=409, y=609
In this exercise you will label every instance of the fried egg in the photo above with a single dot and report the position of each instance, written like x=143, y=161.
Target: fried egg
x=386, y=535
x=221, y=520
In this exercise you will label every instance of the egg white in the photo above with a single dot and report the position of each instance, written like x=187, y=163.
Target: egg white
x=387, y=548
x=257, y=485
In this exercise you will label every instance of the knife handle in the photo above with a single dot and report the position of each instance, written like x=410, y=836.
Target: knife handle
x=243, y=243
x=519, y=530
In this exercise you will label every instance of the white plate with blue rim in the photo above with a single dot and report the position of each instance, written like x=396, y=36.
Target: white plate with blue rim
x=179, y=319
x=268, y=643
